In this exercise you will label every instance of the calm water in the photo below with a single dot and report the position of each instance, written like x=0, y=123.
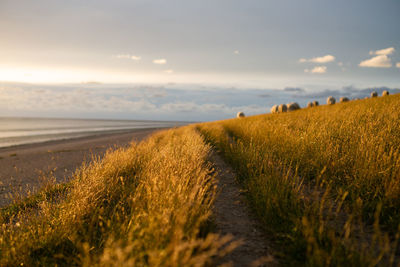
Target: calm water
x=18, y=131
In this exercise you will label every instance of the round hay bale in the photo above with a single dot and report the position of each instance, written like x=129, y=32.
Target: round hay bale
x=240, y=114
x=344, y=99
x=315, y=103
x=274, y=109
x=310, y=104
x=282, y=108
x=385, y=93
x=374, y=94
x=293, y=106
x=330, y=100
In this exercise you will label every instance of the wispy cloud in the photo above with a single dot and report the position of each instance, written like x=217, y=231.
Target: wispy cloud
x=169, y=71
x=398, y=64
x=386, y=51
x=128, y=56
x=317, y=70
x=381, y=61
x=323, y=59
x=160, y=61
x=236, y=52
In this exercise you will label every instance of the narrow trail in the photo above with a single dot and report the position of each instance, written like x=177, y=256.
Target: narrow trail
x=232, y=216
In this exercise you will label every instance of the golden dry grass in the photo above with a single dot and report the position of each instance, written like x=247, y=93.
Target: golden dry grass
x=148, y=205
x=324, y=181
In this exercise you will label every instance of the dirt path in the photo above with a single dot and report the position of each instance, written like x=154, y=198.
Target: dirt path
x=232, y=216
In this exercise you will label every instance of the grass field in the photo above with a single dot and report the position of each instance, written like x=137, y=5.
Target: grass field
x=148, y=205
x=324, y=182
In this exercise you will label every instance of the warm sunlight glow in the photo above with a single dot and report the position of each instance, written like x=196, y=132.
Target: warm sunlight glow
x=40, y=75
x=47, y=75
x=37, y=75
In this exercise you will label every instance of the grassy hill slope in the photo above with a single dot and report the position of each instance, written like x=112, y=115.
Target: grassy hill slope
x=325, y=181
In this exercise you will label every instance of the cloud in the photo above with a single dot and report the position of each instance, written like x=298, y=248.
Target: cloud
x=127, y=56
x=155, y=102
x=318, y=70
x=236, y=52
x=323, y=59
x=381, y=61
x=169, y=71
x=135, y=101
x=386, y=51
x=209, y=108
x=348, y=91
x=264, y=95
x=160, y=61
x=122, y=56
x=293, y=89
x=340, y=64
x=321, y=94
x=91, y=82
x=398, y=64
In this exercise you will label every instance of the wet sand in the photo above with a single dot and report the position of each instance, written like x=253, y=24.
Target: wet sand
x=22, y=168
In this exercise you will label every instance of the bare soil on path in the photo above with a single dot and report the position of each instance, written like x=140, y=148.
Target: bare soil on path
x=233, y=216
x=23, y=167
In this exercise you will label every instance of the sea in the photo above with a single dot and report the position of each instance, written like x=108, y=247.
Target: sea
x=19, y=131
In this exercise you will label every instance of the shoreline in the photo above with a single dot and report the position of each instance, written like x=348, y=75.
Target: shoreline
x=24, y=168
x=77, y=138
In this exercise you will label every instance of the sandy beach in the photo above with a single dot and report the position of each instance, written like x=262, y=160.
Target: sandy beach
x=23, y=168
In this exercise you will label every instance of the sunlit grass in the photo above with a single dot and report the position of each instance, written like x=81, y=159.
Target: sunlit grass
x=148, y=205
x=324, y=181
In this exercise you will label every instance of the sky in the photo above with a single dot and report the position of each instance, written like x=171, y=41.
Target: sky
x=191, y=51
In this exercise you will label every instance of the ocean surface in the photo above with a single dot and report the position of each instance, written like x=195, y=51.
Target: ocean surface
x=18, y=131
